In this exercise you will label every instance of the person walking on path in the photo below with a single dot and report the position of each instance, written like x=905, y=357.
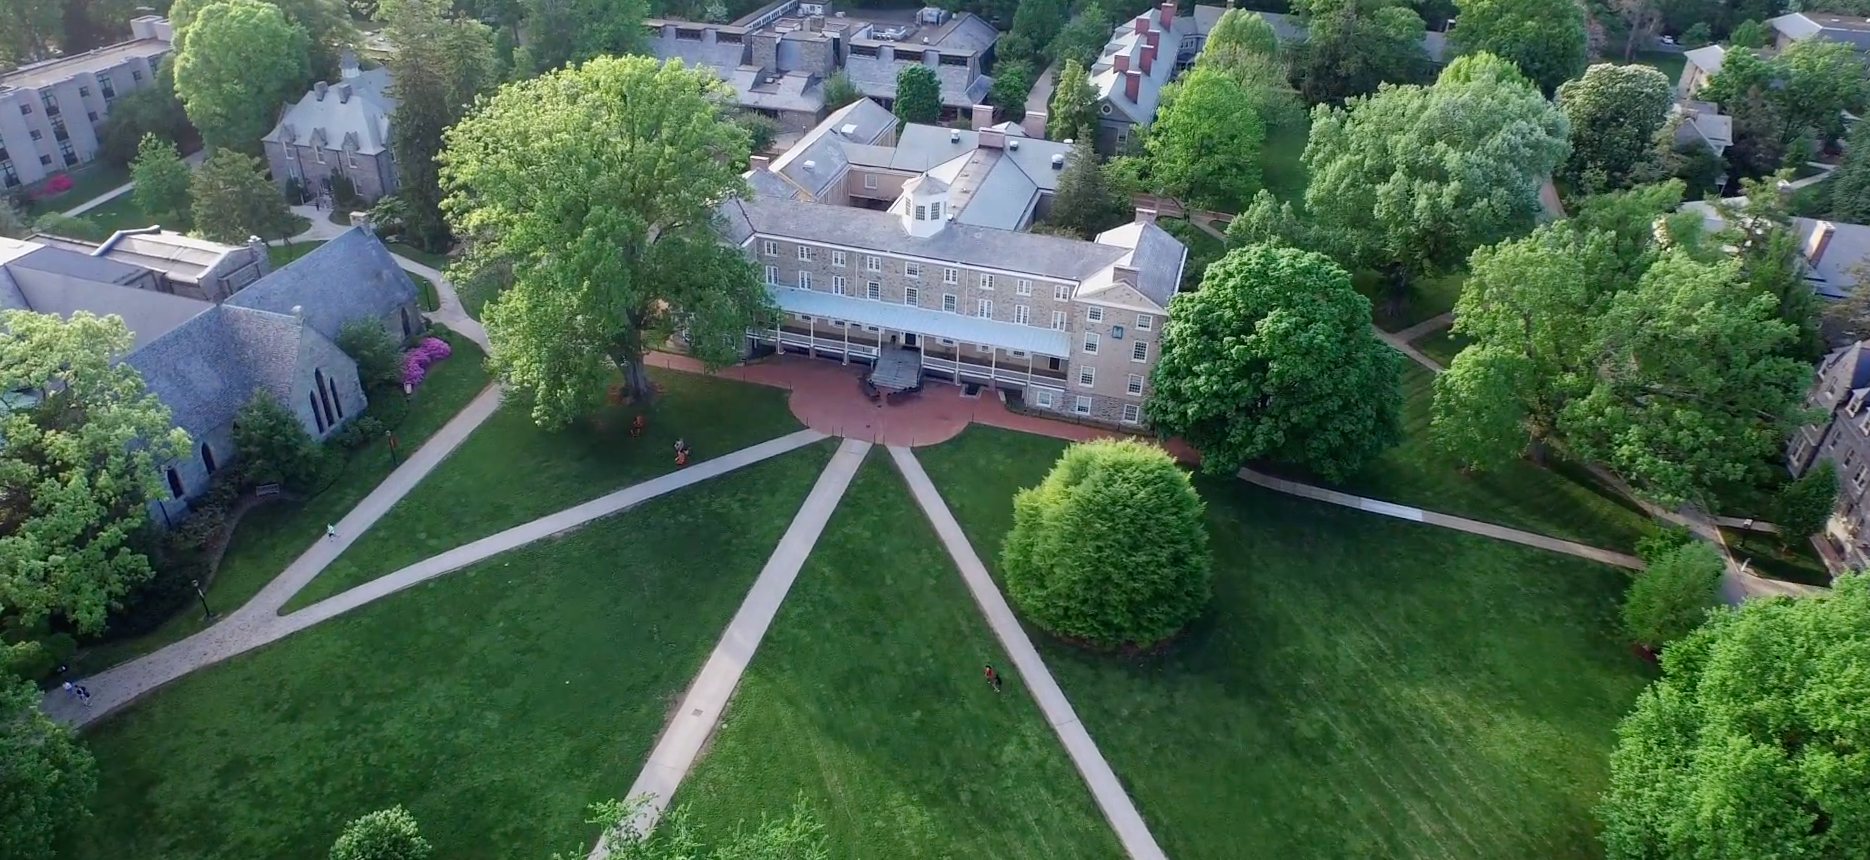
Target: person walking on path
x=77, y=691
x=993, y=678
x=331, y=531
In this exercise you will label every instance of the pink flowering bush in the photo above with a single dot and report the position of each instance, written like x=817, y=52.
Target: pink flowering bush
x=416, y=362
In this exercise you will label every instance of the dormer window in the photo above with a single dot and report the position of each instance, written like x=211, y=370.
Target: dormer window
x=922, y=213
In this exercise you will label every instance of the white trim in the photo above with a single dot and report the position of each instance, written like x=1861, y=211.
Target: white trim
x=998, y=270
x=1095, y=314
x=1087, y=376
x=1082, y=405
x=1134, y=385
x=1145, y=322
x=1132, y=413
x=1139, y=345
x=912, y=296
x=1045, y=398
x=1091, y=343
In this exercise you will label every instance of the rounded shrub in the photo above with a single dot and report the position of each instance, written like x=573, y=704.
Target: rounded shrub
x=1110, y=549
x=387, y=834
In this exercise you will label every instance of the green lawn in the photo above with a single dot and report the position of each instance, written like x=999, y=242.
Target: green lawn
x=430, y=300
x=1562, y=500
x=1284, y=173
x=1427, y=298
x=87, y=182
x=271, y=536
x=1361, y=687
x=495, y=703
x=122, y=213
x=1764, y=556
x=1666, y=63
x=1442, y=345
x=867, y=698
x=433, y=261
x=510, y=471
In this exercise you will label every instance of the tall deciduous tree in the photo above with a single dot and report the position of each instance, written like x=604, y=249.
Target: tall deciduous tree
x=1353, y=46
x=839, y=91
x=161, y=181
x=34, y=29
x=1086, y=202
x=274, y=447
x=327, y=25
x=1751, y=744
x=49, y=777
x=1082, y=36
x=233, y=200
x=1802, y=507
x=78, y=468
x=1011, y=83
x=1273, y=358
x=1206, y=142
x=1670, y=597
x=1074, y=106
x=918, y=95
x=1413, y=178
x=568, y=32
x=1545, y=38
x=620, y=253
x=1244, y=47
x=442, y=63
x=148, y=110
x=1111, y=548
x=1615, y=112
x=1640, y=20
x=241, y=60
x=1850, y=185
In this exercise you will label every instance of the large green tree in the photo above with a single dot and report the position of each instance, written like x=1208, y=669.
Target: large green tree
x=1669, y=598
x=568, y=32
x=1354, y=46
x=47, y=780
x=1412, y=179
x=84, y=441
x=1615, y=112
x=240, y=61
x=618, y=251
x=233, y=200
x=161, y=182
x=34, y=29
x=918, y=95
x=1544, y=38
x=442, y=64
x=327, y=25
x=144, y=111
x=1850, y=185
x=1086, y=202
x=1082, y=36
x=1073, y=108
x=1205, y=145
x=1802, y=507
x=1111, y=548
x=1752, y=742
x=1273, y=358
x=1819, y=79
x=1244, y=47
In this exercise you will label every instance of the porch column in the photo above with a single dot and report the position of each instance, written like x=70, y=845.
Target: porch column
x=847, y=342
x=993, y=364
x=811, y=331
x=1029, y=368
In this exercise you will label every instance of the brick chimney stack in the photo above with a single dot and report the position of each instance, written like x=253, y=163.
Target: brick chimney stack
x=1141, y=23
x=1132, y=83
x=1819, y=241
x=1122, y=62
x=1167, y=15
x=1149, y=57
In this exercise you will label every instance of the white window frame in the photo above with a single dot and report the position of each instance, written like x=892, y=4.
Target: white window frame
x=1094, y=314
x=922, y=212
x=839, y=286
x=1134, y=385
x=1059, y=321
x=950, y=303
x=805, y=253
x=772, y=276
x=768, y=247
x=837, y=259
x=1082, y=405
x=1139, y=351
x=1087, y=376
x=1091, y=342
x=986, y=281
x=950, y=276
x=983, y=308
x=912, y=296
x=805, y=280
x=1022, y=287
x=873, y=264
x=873, y=290
x=1022, y=315
x=1045, y=398
x=1132, y=413
x=1062, y=292
x=870, y=182
x=1145, y=322
x=912, y=269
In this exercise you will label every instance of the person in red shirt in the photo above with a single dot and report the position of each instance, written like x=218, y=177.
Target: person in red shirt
x=993, y=678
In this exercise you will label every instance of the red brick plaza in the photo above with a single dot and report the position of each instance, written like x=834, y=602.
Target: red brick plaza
x=826, y=396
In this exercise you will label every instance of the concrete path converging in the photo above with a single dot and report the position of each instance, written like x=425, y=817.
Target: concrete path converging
x=702, y=706
x=257, y=623
x=451, y=312
x=1106, y=789
x=1401, y=344
x=1425, y=327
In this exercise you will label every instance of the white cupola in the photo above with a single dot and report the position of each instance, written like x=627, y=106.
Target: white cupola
x=925, y=206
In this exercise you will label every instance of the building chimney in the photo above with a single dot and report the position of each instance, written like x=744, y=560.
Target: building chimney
x=886, y=53
x=347, y=65
x=759, y=162
x=1122, y=62
x=1132, y=84
x=344, y=93
x=1140, y=23
x=319, y=89
x=1126, y=275
x=1153, y=38
x=1145, y=215
x=990, y=139
x=1167, y=12
x=1149, y=57
x=815, y=24
x=710, y=36
x=1819, y=241
x=981, y=116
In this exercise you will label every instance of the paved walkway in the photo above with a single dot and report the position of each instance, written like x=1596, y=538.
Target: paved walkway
x=1401, y=344
x=1425, y=327
x=451, y=313
x=257, y=623
x=706, y=699
x=1106, y=789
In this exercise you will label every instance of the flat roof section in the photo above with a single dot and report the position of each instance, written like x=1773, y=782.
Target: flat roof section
x=47, y=72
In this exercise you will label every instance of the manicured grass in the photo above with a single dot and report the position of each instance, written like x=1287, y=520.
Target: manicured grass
x=1561, y=500
x=1427, y=298
x=87, y=182
x=122, y=213
x=269, y=537
x=433, y=261
x=280, y=255
x=1282, y=169
x=1361, y=687
x=495, y=703
x=867, y=698
x=1442, y=345
x=511, y=471
x=1764, y=556
x=1668, y=64
x=430, y=300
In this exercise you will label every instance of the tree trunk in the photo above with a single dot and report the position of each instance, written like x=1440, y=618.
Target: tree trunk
x=1538, y=451
x=1396, y=295
x=636, y=378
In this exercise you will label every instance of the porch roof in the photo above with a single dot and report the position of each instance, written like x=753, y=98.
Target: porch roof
x=908, y=318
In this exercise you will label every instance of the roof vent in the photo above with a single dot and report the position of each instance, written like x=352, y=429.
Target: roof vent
x=954, y=136
x=849, y=129
x=1058, y=161
x=810, y=165
x=1012, y=144
x=298, y=311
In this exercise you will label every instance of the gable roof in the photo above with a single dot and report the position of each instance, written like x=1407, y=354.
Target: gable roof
x=325, y=117
x=1156, y=256
x=876, y=77
x=1707, y=59
x=349, y=277
x=208, y=368
x=1849, y=29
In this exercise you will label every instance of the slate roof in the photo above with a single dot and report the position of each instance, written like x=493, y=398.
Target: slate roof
x=361, y=122
x=827, y=146
x=206, y=369
x=1157, y=257
x=348, y=277
x=1799, y=26
x=793, y=92
x=876, y=77
x=923, y=147
x=1707, y=58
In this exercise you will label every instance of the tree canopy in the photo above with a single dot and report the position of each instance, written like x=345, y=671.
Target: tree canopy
x=327, y=25
x=1273, y=358
x=78, y=468
x=240, y=60
x=233, y=200
x=1803, y=506
x=1751, y=743
x=1545, y=39
x=161, y=182
x=618, y=252
x=387, y=834
x=1669, y=598
x=49, y=777
x=1206, y=142
x=442, y=64
x=1850, y=185
x=1353, y=46
x=1073, y=113
x=918, y=95
x=1615, y=113
x=1086, y=202
x=144, y=111
x=839, y=91
x=562, y=33
x=1111, y=549
x=1412, y=179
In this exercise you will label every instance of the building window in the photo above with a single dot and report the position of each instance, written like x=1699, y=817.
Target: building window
x=1139, y=351
x=805, y=254
x=1135, y=386
x=37, y=135
x=935, y=211
x=802, y=318
x=922, y=212
x=1062, y=292
x=207, y=458
x=320, y=154
x=768, y=247
x=1144, y=322
x=1131, y=413
x=1018, y=353
x=1863, y=477
x=1022, y=315
x=175, y=483
x=25, y=109
x=948, y=303
x=136, y=76
x=1022, y=287
x=947, y=341
x=986, y=282
x=105, y=86
x=84, y=92
x=871, y=328
x=873, y=291
x=1087, y=376
x=837, y=259
x=805, y=280
x=870, y=182
x=873, y=264
x=912, y=269
x=772, y=275
x=912, y=296
x=1094, y=314
x=982, y=348
x=1090, y=342
x=984, y=308
x=91, y=115
x=1044, y=398
x=318, y=418
x=838, y=285
x=45, y=160
x=950, y=276
x=1082, y=405
x=1058, y=320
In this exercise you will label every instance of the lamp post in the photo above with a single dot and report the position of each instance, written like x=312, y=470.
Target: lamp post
x=207, y=613
x=391, y=435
